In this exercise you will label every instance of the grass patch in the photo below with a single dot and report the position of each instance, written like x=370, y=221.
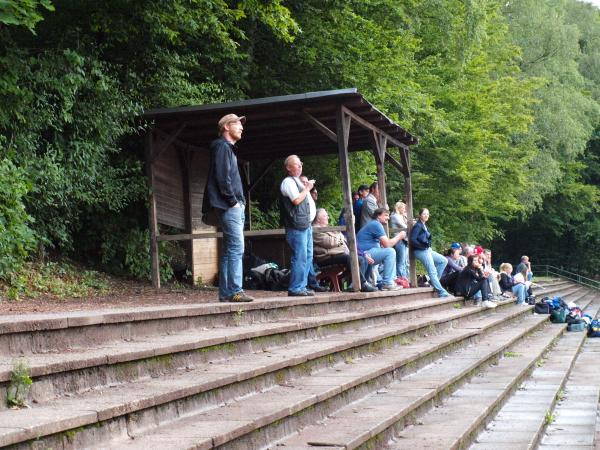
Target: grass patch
x=550, y=418
x=509, y=354
x=20, y=384
x=55, y=279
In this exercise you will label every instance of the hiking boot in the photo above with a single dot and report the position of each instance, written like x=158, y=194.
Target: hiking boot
x=240, y=297
x=318, y=288
x=368, y=287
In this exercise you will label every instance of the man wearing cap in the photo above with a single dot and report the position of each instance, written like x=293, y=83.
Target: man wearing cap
x=226, y=195
x=370, y=204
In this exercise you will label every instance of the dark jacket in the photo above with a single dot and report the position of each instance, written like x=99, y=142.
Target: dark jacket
x=466, y=278
x=506, y=282
x=420, y=237
x=224, y=185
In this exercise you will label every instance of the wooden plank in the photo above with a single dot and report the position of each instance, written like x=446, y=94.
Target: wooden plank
x=394, y=162
x=158, y=150
x=319, y=125
x=409, y=212
x=152, y=219
x=343, y=134
x=363, y=123
x=247, y=233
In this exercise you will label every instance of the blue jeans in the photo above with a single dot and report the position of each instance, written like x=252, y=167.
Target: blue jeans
x=231, y=270
x=520, y=290
x=387, y=258
x=299, y=241
x=434, y=265
x=401, y=259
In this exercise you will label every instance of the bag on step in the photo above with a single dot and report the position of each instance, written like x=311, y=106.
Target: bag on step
x=579, y=326
x=594, y=329
x=530, y=299
x=542, y=308
x=559, y=315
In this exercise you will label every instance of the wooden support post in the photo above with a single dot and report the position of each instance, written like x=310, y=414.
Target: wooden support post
x=152, y=218
x=343, y=134
x=405, y=156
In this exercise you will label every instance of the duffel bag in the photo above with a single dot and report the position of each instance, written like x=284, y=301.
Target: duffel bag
x=542, y=308
x=559, y=315
x=576, y=326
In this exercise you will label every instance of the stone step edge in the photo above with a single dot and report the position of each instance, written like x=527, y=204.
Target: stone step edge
x=552, y=395
x=390, y=423
x=553, y=429
x=297, y=325
x=381, y=432
x=46, y=322
x=301, y=406
x=476, y=426
x=35, y=431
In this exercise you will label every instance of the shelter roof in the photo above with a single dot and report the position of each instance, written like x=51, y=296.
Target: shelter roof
x=278, y=126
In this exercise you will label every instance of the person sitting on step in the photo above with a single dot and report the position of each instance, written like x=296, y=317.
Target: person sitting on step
x=372, y=241
x=472, y=283
x=330, y=248
x=509, y=285
x=452, y=269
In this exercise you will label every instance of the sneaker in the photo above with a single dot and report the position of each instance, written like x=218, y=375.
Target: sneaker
x=391, y=287
x=443, y=294
x=368, y=287
x=507, y=294
x=304, y=293
x=477, y=302
x=318, y=288
x=240, y=297
x=488, y=304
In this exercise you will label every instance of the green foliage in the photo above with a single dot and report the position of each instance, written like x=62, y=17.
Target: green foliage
x=16, y=237
x=20, y=384
x=23, y=12
x=55, y=279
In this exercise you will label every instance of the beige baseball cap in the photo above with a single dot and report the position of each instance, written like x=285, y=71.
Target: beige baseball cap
x=230, y=118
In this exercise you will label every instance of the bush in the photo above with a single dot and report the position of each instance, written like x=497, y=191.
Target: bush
x=16, y=237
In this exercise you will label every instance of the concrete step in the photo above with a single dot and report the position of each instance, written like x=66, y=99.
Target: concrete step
x=367, y=424
x=133, y=406
x=517, y=424
x=270, y=413
x=68, y=373
x=40, y=333
x=575, y=418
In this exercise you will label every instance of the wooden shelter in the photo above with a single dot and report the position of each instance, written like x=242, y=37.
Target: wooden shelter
x=315, y=123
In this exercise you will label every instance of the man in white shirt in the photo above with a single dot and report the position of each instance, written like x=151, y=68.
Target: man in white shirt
x=295, y=211
x=312, y=275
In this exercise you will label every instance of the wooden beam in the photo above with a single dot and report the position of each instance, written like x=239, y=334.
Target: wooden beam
x=343, y=134
x=152, y=217
x=247, y=233
x=319, y=125
x=394, y=162
x=365, y=124
x=166, y=144
x=409, y=212
x=261, y=175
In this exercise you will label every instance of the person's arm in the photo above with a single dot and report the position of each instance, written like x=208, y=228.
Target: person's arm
x=452, y=264
x=223, y=173
x=303, y=193
x=390, y=242
x=326, y=240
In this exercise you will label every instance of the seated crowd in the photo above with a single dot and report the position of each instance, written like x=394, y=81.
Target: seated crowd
x=464, y=270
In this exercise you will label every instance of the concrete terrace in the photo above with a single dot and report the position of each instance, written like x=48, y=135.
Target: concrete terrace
x=383, y=370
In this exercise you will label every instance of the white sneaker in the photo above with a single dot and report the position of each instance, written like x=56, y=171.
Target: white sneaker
x=488, y=304
x=391, y=287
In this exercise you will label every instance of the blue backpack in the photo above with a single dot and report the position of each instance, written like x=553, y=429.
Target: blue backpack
x=594, y=329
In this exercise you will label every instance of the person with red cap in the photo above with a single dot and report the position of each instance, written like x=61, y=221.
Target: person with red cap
x=225, y=194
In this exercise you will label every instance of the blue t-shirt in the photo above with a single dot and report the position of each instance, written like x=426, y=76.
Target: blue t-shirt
x=368, y=236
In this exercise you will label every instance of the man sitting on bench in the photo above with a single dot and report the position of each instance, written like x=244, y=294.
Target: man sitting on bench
x=330, y=248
